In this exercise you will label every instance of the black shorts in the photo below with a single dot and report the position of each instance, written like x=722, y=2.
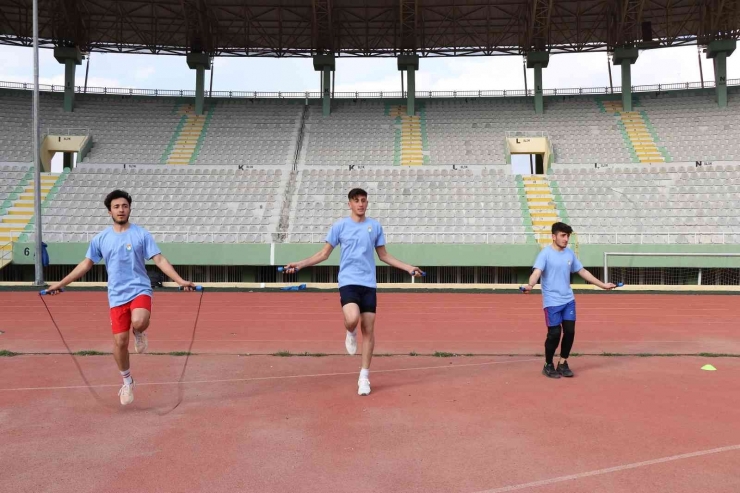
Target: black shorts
x=362, y=296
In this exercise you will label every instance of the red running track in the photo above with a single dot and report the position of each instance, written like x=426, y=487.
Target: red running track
x=490, y=323
x=467, y=424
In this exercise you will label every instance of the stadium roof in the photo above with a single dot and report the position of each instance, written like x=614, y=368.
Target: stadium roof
x=367, y=27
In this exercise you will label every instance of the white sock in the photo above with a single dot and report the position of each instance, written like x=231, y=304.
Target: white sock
x=365, y=373
x=127, y=380
x=353, y=333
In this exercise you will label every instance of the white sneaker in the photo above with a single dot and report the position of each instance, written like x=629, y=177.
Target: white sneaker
x=127, y=393
x=141, y=342
x=363, y=387
x=350, y=342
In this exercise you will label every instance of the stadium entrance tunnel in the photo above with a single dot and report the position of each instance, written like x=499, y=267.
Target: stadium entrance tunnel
x=537, y=146
x=527, y=164
x=68, y=144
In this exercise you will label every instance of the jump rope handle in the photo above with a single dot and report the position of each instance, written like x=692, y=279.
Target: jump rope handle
x=423, y=274
x=44, y=292
x=197, y=288
x=620, y=284
x=283, y=269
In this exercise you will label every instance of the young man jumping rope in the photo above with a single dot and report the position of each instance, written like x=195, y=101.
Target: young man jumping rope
x=359, y=237
x=555, y=265
x=125, y=247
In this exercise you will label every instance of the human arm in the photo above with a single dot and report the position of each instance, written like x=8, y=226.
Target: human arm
x=79, y=271
x=166, y=267
x=533, y=278
x=389, y=259
x=585, y=274
x=314, y=259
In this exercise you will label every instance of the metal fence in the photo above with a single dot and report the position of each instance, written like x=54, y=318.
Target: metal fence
x=496, y=93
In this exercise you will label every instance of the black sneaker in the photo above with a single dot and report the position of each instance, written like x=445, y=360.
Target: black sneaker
x=550, y=371
x=564, y=370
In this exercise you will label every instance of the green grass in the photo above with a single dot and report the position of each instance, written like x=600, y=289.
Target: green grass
x=87, y=352
x=413, y=353
x=442, y=354
x=288, y=354
x=8, y=354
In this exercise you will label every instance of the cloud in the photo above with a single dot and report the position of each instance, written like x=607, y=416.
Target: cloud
x=144, y=73
x=662, y=66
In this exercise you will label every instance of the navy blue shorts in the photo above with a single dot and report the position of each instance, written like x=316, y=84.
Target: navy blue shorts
x=554, y=315
x=362, y=296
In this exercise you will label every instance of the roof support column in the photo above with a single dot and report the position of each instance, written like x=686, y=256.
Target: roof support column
x=718, y=51
x=326, y=65
x=200, y=62
x=410, y=63
x=70, y=57
x=538, y=60
x=625, y=57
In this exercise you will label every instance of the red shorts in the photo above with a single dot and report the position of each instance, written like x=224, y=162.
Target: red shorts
x=120, y=316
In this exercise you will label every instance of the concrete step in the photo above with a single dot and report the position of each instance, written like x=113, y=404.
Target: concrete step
x=29, y=196
x=20, y=211
x=44, y=188
x=15, y=220
x=541, y=194
x=543, y=222
x=543, y=214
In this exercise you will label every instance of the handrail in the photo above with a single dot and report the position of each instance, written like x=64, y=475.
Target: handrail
x=491, y=93
x=81, y=132
x=491, y=237
x=6, y=254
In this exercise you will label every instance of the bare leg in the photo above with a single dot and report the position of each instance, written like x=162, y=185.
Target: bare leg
x=120, y=350
x=351, y=316
x=140, y=319
x=368, y=338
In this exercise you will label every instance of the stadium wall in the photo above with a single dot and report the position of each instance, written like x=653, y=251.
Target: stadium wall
x=422, y=255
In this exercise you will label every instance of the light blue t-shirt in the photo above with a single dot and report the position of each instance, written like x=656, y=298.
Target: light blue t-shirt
x=556, y=269
x=358, y=242
x=125, y=255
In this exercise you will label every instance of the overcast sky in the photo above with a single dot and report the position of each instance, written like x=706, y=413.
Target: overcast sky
x=667, y=65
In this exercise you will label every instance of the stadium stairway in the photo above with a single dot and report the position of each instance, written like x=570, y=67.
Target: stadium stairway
x=17, y=213
x=409, y=142
x=188, y=137
x=541, y=204
x=638, y=133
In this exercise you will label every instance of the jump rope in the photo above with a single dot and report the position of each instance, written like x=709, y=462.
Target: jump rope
x=96, y=396
x=180, y=391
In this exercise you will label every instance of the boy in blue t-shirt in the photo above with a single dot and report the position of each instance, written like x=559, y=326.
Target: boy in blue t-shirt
x=125, y=247
x=359, y=237
x=555, y=264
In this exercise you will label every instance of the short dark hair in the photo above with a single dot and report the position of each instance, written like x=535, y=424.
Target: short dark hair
x=116, y=194
x=561, y=228
x=356, y=192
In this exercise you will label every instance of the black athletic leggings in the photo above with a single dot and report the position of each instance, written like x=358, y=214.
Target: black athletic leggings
x=553, y=339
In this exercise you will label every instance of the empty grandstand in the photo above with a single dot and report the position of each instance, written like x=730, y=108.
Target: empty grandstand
x=276, y=172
